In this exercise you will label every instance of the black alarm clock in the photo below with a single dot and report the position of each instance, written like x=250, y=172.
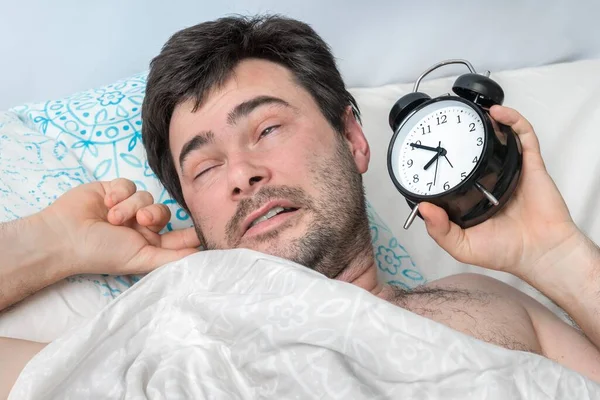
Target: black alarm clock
x=448, y=151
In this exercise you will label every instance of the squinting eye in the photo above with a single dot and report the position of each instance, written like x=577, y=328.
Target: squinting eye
x=268, y=130
x=203, y=172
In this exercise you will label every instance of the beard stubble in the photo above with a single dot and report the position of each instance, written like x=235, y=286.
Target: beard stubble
x=337, y=230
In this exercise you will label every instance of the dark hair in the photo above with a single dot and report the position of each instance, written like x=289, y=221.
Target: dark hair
x=197, y=59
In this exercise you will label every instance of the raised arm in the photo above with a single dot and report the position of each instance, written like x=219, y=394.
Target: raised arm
x=571, y=278
x=32, y=257
x=100, y=227
x=535, y=239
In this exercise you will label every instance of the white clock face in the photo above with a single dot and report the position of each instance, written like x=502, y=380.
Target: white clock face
x=438, y=147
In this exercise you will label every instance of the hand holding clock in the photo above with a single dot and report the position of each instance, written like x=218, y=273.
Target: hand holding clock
x=533, y=230
x=505, y=213
x=533, y=237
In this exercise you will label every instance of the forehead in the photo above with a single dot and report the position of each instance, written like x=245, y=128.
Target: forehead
x=249, y=79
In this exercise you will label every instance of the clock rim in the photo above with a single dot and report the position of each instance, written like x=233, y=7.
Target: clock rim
x=469, y=181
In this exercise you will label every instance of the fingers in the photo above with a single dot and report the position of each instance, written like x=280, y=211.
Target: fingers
x=127, y=205
x=123, y=193
x=155, y=217
x=519, y=124
x=180, y=239
x=117, y=191
x=128, y=208
x=447, y=234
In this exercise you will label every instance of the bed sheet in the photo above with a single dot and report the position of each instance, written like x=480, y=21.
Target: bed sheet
x=266, y=328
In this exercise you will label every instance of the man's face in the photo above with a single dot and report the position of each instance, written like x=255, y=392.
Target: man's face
x=261, y=168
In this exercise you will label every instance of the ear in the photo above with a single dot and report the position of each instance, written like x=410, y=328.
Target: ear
x=357, y=142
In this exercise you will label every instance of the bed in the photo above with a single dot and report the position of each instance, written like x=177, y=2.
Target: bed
x=556, y=87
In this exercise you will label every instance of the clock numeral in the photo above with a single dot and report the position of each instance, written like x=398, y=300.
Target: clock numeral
x=463, y=175
x=475, y=160
x=430, y=184
x=428, y=130
x=441, y=119
x=416, y=178
x=447, y=185
x=410, y=163
x=479, y=141
x=417, y=142
x=458, y=117
x=472, y=127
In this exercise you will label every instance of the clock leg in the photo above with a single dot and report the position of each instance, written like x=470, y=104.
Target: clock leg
x=487, y=194
x=412, y=216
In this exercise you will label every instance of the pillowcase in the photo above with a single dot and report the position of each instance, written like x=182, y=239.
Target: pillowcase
x=47, y=148
x=34, y=170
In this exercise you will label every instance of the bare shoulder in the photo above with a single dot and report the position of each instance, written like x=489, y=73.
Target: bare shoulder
x=473, y=281
x=477, y=305
x=491, y=310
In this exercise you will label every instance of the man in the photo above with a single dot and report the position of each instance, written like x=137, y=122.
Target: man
x=249, y=126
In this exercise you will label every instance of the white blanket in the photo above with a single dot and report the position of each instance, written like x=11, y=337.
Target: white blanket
x=243, y=325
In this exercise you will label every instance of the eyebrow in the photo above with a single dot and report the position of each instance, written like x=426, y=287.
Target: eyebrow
x=201, y=139
x=240, y=111
x=244, y=109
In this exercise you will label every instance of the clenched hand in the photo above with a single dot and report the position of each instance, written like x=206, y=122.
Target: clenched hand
x=111, y=228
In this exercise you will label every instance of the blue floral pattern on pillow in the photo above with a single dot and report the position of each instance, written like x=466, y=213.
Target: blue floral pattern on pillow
x=394, y=264
x=34, y=170
x=101, y=128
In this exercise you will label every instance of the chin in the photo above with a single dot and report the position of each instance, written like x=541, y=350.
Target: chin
x=276, y=242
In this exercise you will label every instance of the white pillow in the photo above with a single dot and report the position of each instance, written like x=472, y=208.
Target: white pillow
x=34, y=171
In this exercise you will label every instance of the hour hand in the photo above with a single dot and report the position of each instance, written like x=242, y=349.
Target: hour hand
x=420, y=146
x=430, y=163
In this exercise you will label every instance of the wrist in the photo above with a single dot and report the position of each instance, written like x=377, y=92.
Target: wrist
x=567, y=271
x=30, y=259
x=50, y=245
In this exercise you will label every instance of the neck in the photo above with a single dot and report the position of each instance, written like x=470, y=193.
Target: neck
x=362, y=272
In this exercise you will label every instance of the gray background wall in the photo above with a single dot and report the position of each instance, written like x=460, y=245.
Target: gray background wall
x=54, y=48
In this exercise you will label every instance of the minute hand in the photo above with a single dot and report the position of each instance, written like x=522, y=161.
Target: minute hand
x=419, y=146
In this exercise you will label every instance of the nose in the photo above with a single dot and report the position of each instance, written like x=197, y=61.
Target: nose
x=246, y=177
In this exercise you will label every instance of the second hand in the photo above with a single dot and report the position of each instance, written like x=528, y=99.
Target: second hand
x=436, y=165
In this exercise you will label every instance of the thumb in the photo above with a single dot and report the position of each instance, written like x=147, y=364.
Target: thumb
x=448, y=235
x=150, y=257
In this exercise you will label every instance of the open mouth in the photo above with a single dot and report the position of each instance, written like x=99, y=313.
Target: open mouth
x=270, y=218
x=270, y=214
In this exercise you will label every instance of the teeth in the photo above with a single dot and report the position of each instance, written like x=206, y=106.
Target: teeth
x=271, y=213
